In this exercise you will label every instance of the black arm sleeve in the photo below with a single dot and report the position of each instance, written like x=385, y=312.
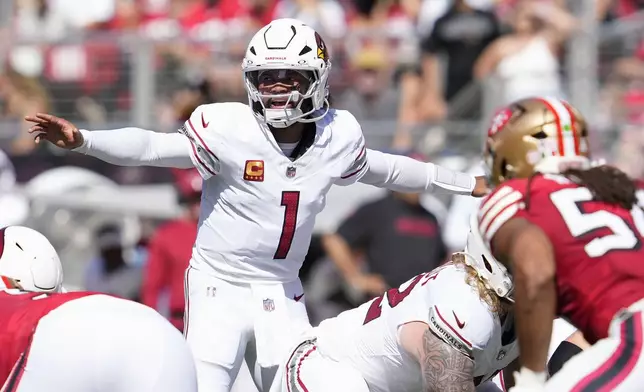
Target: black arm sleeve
x=562, y=354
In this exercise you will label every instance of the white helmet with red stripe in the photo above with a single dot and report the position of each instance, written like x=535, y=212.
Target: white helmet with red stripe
x=477, y=255
x=543, y=134
x=28, y=261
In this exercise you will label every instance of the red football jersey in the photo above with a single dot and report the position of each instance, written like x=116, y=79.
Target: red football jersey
x=598, y=246
x=19, y=316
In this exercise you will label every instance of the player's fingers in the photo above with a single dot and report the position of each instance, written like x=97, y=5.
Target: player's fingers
x=37, y=128
x=39, y=137
x=33, y=119
x=47, y=117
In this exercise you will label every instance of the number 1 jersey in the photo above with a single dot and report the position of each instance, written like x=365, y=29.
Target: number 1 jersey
x=258, y=206
x=598, y=246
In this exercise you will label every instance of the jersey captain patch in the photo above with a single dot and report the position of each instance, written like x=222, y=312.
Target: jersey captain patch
x=254, y=170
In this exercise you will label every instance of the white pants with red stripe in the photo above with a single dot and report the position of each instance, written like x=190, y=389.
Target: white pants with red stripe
x=615, y=363
x=101, y=343
x=229, y=322
x=306, y=370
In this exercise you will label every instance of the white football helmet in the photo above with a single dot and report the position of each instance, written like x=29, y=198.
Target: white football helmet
x=477, y=255
x=279, y=49
x=28, y=261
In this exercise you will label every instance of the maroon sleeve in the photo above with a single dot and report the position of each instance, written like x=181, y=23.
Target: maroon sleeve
x=155, y=278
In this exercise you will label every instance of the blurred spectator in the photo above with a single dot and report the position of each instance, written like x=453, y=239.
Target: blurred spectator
x=461, y=35
x=398, y=238
x=37, y=21
x=7, y=174
x=524, y=63
x=169, y=252
x=458, y=36
x=629, y=77
x=110, y=272
x=371, y=95
x=325, y=16
x=21, y=95
x=83, y=14
x=625, y=8
x=428, y=12
x=14, y=206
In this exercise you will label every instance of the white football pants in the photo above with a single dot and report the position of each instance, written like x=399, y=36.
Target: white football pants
x=306, y=370
x=615, y=363
x=101, y=343
x=229, y=322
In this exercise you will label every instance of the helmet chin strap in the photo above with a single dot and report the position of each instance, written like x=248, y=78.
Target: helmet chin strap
x=287, y=123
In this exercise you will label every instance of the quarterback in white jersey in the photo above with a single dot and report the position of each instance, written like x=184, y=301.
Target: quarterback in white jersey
x=448, y=329
x=267, y=167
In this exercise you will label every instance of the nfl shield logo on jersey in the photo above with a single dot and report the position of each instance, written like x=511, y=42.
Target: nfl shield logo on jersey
x=269, y=305
x=290, y=172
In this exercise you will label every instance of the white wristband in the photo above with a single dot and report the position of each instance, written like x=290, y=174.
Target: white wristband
x=83, y=147
x=453, y=182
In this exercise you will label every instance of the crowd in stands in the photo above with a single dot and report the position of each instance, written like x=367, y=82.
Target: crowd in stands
x=411, y=61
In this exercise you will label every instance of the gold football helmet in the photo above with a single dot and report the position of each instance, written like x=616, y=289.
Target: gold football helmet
x=545, y=135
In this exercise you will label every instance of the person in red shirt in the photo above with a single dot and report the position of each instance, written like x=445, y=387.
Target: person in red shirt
x=571, y=231
x=170, y=249
x=98, y=342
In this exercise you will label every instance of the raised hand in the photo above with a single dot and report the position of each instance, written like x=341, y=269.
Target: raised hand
x=55, y=130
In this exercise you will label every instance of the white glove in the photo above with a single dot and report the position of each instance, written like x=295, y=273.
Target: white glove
x=526, y=380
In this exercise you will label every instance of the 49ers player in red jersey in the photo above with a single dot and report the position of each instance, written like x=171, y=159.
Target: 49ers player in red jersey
x=571, y=233
x=80, y=341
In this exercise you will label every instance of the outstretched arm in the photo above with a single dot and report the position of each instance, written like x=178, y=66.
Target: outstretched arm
x=444, y=368
x=138, y=147
x=126, y=146
x=404, y=174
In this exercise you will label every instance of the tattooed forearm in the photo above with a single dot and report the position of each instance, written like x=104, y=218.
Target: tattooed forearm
x=444, y=368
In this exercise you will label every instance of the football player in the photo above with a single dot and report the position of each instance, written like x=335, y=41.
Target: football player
x=99, y=342
x=267, y=167
x=571, y=233
x=446, y=330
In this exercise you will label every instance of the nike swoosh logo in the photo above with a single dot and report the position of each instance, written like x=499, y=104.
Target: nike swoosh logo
x=458, y=322
x=297, y=298
x=204, y=124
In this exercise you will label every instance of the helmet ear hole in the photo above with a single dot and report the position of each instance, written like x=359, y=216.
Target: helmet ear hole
x=487, y=264
x=504, y=168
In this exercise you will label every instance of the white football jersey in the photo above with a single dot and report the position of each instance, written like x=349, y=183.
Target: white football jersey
x=367, y=337
x=258, y=206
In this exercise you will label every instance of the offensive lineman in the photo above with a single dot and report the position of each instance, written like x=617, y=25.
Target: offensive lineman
x=81, y=341
x=572, y=233
x=446, y=330
x=267, y=168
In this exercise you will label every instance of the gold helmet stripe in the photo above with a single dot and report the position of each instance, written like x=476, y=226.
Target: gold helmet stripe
x=566, y=137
